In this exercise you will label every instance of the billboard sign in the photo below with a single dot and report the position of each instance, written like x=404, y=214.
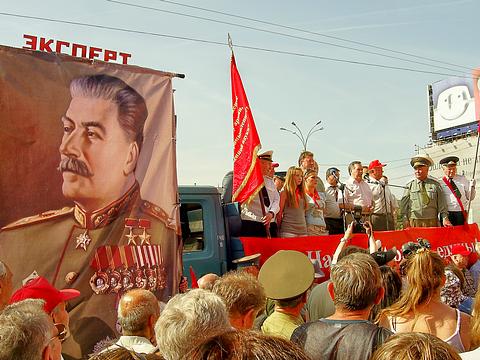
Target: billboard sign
x=453, y=107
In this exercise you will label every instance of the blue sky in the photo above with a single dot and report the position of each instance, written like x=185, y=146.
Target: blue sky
x=367, y=112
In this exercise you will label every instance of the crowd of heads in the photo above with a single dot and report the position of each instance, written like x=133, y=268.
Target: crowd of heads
x=227, y=319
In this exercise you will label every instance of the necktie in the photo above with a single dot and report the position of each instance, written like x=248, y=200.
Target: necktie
x=423, y=192
x=266, y=199
x=336, y=193
x=455, y=189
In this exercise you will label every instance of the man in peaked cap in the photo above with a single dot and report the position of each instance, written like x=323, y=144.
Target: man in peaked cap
x=457, y=189
x=254, y=220
x=286, y=277
x=423, y=201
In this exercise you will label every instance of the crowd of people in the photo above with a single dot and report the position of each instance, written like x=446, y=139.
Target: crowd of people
x=371, y=308
x=300, y=204
x=424, y=307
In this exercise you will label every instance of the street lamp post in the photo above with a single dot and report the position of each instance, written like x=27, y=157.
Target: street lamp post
x=299, y=134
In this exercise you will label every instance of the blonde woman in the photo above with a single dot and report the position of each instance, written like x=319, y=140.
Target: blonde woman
x=293, y=203
x=420, y=308
x=315, y=205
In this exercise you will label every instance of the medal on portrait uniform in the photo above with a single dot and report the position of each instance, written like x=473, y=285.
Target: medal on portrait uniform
x=83, y=240
x=114, y=276
x=121, y=268
x=130, y=224
x=99, y=280
x=144, y=236
x=127, y=274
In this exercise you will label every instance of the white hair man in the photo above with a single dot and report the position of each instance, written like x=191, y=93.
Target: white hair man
x=188, y=320
x=138, y=311
x=5, y=285
x=28, y=333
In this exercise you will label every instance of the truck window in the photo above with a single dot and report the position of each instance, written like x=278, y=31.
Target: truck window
x=191, y=217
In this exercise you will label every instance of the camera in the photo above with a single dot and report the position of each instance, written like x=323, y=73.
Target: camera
x=411, y=247
x=357, y=218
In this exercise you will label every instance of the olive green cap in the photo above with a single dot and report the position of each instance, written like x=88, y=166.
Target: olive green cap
x=286, y=274
x=421, y=160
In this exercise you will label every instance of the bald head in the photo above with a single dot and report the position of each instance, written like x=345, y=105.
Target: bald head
x=136, y=310
x=206, y=281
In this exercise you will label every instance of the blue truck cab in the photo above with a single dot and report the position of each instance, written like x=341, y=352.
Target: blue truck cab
x=210, y=231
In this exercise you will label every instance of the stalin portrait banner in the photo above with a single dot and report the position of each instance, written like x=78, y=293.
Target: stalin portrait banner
x=88, y=191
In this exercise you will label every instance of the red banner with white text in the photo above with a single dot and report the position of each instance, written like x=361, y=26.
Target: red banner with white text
x=320, y=249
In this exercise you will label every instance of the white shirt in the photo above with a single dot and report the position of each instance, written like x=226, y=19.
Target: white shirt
x=358, y=193
x=463, y=186
x=332, y=209
x=138, y=344
x=253, y=211
x=470, y=355
x=381, y=195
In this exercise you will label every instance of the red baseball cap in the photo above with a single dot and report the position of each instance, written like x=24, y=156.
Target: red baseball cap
x=458, y=249
x=374, y=164
x=40, y=288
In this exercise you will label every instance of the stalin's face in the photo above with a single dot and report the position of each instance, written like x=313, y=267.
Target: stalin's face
x=97, y=158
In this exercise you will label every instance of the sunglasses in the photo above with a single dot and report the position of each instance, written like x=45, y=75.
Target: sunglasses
x=62, y=332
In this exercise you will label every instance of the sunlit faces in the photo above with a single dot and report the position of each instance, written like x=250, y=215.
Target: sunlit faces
x=377, y=172
x=460, y=261
x=308, y=163
x=311, y=181
x=298, y=177
x=450, y=170
x=421, y=172
x=453, y=102
x=266, y=167
x=93, y=136
x=357, y=172
x=332, y=180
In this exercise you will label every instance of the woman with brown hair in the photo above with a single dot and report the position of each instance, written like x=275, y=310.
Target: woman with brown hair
x=315, y=205
x=293, y=203
x=420, y=308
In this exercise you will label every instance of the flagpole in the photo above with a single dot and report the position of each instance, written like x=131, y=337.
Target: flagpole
x=473, y=175
x=262, y=203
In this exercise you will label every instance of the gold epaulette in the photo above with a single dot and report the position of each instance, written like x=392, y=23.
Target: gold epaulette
x=156, y=211
x=46, y=215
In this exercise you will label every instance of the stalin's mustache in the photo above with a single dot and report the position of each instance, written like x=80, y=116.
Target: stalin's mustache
x=75, y=166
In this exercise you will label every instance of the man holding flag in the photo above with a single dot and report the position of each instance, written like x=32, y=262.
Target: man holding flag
x=254, y=220
x=252, y=188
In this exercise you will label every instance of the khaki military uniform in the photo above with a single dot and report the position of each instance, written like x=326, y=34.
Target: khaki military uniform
x=53, y=244
x=415, y=209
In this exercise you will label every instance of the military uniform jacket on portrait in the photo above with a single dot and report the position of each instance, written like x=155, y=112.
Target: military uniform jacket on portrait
x=53, y=244
x=414, y=207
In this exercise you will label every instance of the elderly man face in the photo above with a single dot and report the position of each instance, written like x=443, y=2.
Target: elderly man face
x=450, y=170
x=421, y=172
x=6, y=288
x=377, y=172
x=93, y=137
x=266, y=167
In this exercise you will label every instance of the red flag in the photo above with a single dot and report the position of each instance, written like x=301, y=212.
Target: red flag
x=193, y=278
x=247, y=174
